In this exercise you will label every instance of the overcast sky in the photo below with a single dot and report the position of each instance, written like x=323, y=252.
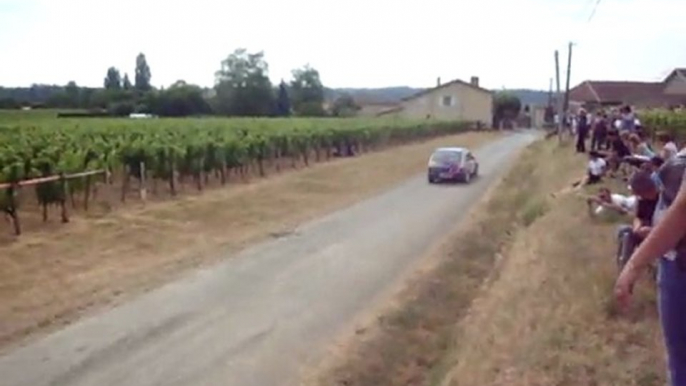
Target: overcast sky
x=353, y=43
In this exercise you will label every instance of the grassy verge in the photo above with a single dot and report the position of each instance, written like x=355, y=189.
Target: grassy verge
x=409, y=344
x=50, y=278
x=549, y=318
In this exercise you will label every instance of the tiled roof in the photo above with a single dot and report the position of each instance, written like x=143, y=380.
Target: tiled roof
x=456, y=81
x=645, y=94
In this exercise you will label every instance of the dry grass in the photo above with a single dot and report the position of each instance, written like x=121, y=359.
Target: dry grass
x=549, y=318
x=521, y=295
x=408, y=344
x=49, y=278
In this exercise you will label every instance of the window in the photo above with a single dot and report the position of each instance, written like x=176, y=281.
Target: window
x=447, y=101
x=446, y=156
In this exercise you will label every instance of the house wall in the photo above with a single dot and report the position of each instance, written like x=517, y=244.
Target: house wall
x=466, y=103
x=537, y=116
x=676, y=85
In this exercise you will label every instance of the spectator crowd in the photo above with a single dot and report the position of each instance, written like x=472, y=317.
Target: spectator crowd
x=621, y=149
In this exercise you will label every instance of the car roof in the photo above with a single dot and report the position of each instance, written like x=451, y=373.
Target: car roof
x=455, y=149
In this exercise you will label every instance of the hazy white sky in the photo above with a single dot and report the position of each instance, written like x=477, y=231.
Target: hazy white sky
x=353, y=43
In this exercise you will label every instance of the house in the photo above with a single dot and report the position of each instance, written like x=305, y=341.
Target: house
x=668, y=93
x=455, y=100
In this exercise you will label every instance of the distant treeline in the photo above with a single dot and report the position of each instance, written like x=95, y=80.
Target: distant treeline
x=242, y=88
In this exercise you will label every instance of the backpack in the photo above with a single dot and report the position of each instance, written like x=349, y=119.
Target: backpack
x=672, y=174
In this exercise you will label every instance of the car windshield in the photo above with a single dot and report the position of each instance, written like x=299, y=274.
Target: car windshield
x=446, y=156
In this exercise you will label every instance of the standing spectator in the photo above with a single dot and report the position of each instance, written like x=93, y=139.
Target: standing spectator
x=628, y=119
x=653, y=168
x=668, y=240
x=619, y=149
x=640, y=147
x=630, y=236
x=600, y=129
x=581, y=132
x=669, y=149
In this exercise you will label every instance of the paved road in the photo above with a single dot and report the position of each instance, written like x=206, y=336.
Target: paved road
x=256, y=318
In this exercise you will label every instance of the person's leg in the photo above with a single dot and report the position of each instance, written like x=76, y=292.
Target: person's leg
x=672, y=303
x=578, y=143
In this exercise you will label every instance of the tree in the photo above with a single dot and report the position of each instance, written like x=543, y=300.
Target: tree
x=181, y=99
x=242, y=85
x=126, y=83
x=9, y=103
x=344, y=106
x=307, y=92
x=506, y=106
x=113, y=79
x=72, y=92
x=143, y=74
x=283, y=102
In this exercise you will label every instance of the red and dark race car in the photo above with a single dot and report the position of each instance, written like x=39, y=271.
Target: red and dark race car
x=452, y=164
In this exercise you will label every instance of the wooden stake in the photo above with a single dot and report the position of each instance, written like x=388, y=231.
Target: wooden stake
x=142, y=188
x=63, y=202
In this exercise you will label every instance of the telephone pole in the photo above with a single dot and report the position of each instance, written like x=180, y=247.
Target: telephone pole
x=558, y=99
x=569, y=71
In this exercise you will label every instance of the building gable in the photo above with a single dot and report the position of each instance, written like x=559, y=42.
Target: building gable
x=675, y=84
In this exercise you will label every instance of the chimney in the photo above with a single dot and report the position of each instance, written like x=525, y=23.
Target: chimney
x=474, y=81
x=438, y=81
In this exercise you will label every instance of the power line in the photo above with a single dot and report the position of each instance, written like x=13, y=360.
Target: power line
x=593, y=12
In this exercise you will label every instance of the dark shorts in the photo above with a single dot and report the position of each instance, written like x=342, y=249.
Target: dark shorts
x=593, y=179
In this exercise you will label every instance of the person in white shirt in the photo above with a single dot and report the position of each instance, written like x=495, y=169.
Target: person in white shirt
x=669, y=149
x=606, y=200
x=596, y=168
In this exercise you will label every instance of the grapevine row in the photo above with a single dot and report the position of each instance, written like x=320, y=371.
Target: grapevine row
x=173, y=150
x=664, y=120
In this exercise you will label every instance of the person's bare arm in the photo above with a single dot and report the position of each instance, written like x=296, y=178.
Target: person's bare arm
x=613, y=206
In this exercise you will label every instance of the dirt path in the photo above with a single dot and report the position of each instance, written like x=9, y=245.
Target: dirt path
x=256, y=318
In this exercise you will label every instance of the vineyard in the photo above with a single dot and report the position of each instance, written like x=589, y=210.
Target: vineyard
x=673, y=122
x=68, y=162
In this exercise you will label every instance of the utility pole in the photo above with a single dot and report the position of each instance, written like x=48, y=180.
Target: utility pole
x=558, y=100
x=550, y=93
x=569, y=71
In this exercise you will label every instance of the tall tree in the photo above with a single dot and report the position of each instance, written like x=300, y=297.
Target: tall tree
x=307, y=92
x=344, y=106
x=126, y=83
x=506, y=106
x=283, y=102
x=242, y=85
x=143, y=74
x=72, y=92
x=113, y=79
x=180, y=99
